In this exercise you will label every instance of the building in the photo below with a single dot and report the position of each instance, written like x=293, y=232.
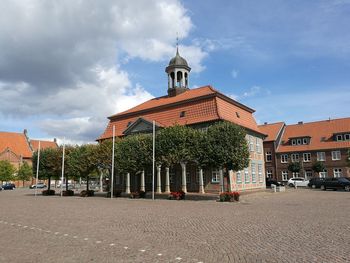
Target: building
x=197, y=108
x=326, y=141
x=18, y=148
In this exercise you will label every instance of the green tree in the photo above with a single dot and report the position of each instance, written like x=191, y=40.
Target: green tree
x=227, y=146
x=50, y=164
x=318, y=167
x=294, y=167
x=6, y=171
x=25, y=173
x=200, y=149
x=348, y=161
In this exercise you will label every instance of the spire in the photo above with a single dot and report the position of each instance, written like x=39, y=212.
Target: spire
x=177, y=44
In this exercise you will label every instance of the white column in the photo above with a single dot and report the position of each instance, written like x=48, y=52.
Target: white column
x=221, y=180
x=142, y=181
x=201, y=182
x=184, y=183
x=230, y=184
x=169, y=81
x=127, y=190
x=101, y=181
x=159, y=180
x=175, y=78
x=167, y=180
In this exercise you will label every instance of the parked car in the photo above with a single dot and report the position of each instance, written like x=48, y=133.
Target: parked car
x=0, y=188
x=39, y=185
x=336, y=183
x=315, y=182
x=297, y=181
x=8, y=186
x=270, y=181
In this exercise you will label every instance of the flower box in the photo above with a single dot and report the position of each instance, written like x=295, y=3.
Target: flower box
x=180, y=195
x=229, y=196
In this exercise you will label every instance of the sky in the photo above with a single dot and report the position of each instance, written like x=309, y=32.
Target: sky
x=65, y=66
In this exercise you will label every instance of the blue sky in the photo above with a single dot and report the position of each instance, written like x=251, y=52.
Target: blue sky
x=66, y=66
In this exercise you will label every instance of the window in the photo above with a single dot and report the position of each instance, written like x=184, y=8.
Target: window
x=306, y=157
x=323, y=174
x=347, y=137
x=304, y=140
x=339, y=137
x=295, y=175
x=337, y=172
x=321, y=156
x=251, y=144
x=308, y=174
x=215, y=176
x=188, y=177
x=294, y=157
x=284, y=158
x=284, y=175
x=239, y=177
x=298, y=141
x=257, y=145
x=294, y=142
x=171, y=176
x=246, y=175
x=203, y=129
x=197, y=176
x=182, y=114
x=336, y=155
x=268, y=156
x=269, y=173
x=253, y=172
x=260, y=172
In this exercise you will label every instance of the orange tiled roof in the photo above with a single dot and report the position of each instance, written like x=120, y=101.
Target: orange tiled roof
x=16, y=142
x=43, y=144
x=271, y=130
x=321, y=133
x=200, y=105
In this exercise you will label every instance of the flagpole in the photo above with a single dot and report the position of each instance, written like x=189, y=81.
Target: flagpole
x=153, y=161
x=62, y=166
x=112, y=176
x=37, y=170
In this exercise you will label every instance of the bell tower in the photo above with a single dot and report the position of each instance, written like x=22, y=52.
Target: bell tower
x=178, y=72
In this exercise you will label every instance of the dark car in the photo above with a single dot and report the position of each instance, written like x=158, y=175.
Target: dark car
x=336, y=183
x=8, y=186
x=270, y=181
x=315, y=182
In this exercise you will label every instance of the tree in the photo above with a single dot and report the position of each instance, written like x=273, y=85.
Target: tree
x=348, y=160
x=294, y=167
x=227, y=146
x=318, y=167
x=25, y=172
x=50, y=164
x=6, y=171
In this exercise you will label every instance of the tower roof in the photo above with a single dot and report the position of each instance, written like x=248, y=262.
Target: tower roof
x=178, y=60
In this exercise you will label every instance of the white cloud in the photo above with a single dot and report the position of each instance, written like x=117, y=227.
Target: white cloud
x=61, y=61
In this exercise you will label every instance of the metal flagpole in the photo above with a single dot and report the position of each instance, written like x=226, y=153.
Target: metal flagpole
x=37, y=170
x=112, y=176
x=154, y=150
x=64, y=145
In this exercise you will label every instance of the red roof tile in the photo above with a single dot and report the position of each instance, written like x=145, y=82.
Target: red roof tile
x=321, y=133
x=200, y=105
x=16, y=142
x=271, y=130
x=43, y=144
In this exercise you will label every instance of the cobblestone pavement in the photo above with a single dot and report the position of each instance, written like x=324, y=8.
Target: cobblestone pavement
x=296, y=226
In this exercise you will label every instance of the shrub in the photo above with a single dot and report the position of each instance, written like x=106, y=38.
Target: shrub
x=179, y=195
x=115, y=194
x=68, y=193
x=138, y=194
x=48, y=192
x=86, y=193
x=229, y=196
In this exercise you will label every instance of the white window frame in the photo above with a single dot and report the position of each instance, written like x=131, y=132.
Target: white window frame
x=215, y=176
x=295, y=174
x=336, y=155
x=347, y=137
x=268, y=157
x=299, y=141
x=284, y=175
x=294, y=157
x=308, y=174
x=337, y=172
x=246, y=175
x=257, y=145
x=339, y=137
x=306, y=157
x=251, y=143
x=323, y=174
x=321, y=156
x=269, y=173
x=304, y=140
x=294, y=142
x=253, y=171
x=284, y=158
x=238, y=177
x=260, y=172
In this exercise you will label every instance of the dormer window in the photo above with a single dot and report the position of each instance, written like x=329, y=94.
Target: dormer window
x=182, y=114
x=298, y=141
x=339, y=137
x=304, y=140
x=347, y=137
x=294, y=142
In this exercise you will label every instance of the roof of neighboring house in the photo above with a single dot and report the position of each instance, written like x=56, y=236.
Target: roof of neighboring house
x=321, y=133
x=43, y=144
x=16, y=142
x=199, y=105
x=271, y=130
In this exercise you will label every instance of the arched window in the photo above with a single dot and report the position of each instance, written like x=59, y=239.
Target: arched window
x=179, y=79
x=172, y=76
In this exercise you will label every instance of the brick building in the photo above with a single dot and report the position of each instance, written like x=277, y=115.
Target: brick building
x=326, y=141
x=197, y=108
x=18, y=148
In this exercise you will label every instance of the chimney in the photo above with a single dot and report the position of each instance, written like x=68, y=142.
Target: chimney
x=54, y=140
x=25, y=132
x=300, y=122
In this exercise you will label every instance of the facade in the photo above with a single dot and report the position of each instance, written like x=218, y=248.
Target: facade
x=326, y=141
x=197, y=108
x=18, y=148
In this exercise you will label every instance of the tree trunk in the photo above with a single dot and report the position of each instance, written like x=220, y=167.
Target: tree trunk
x=49, y=184
x=87, y=183
x=66, y=184
x=23, y=183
